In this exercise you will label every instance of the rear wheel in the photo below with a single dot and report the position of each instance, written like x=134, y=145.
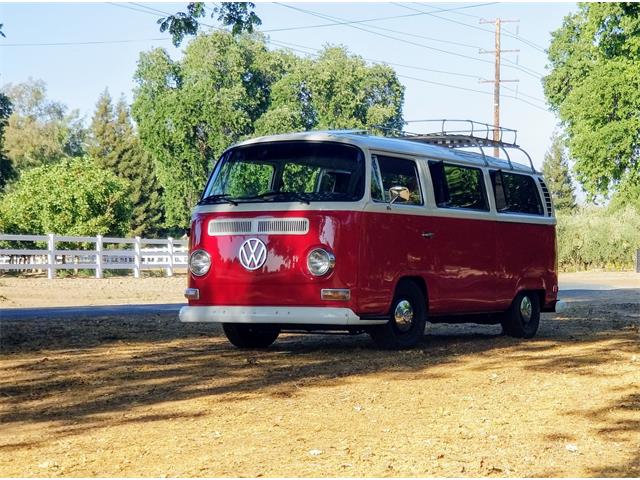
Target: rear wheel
x=250, y=336
x=523, y=317
x=408, y=317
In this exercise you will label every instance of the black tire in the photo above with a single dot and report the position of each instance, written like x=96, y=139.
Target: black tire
x=523, y=317
x=398, y=334
x=249, y=335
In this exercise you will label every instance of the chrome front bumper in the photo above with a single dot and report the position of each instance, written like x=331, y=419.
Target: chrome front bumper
x=281, y=315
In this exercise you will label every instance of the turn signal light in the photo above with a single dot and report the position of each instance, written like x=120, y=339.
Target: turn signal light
x=335, y=294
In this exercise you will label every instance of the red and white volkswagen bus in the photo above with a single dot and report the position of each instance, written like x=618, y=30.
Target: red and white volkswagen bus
x=341, y=230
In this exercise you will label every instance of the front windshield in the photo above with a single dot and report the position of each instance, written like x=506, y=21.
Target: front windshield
x=288, y=171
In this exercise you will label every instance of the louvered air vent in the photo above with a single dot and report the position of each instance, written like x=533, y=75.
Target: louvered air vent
x=547, y=197
x=262, y=226
x=282, y=226
x=229, y=227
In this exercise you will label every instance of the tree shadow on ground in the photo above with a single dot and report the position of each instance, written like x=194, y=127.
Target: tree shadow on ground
x=76, y=373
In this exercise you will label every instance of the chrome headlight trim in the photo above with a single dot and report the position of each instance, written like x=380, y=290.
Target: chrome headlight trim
x=199, y=263
x=320, y=262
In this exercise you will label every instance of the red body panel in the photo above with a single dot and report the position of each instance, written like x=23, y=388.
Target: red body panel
x=468, y=265
x=284, y=278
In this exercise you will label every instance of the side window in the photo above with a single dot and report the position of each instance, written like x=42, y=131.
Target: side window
x=455, y=186
x=396, y=172
x=516, y=193
x=376, y=181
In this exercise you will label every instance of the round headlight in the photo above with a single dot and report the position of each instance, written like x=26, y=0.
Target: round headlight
x=199, y=262
x=320, y=262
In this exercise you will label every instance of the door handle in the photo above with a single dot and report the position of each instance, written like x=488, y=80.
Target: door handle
x=427, y=234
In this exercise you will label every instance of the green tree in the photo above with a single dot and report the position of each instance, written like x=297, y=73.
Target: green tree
x=238, y=15
x=115, y=146
x=556, y=173
x=188, y=112
x=627, y=194
x=39, y=131
x=71, y=197
x=594, y=86
x=227, y=88
x=7, y=172
x=335, y=91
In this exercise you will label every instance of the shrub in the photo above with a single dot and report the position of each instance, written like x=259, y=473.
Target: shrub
x=598, y=238
x=72, y=197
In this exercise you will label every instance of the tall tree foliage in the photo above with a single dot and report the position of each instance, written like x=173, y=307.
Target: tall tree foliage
x=334, y=91
x=40, y=131
x=115, y=146
x=594, y=86
x=229, y=87
x=238, y=15
x=7, y=172
x=556, y=173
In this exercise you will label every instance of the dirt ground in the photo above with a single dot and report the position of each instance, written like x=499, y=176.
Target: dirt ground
x=63, y=292
x=148, y=396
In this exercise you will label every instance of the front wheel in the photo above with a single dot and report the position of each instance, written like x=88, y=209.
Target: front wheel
x=523, y=317
x=250, y=336
x=408, y=317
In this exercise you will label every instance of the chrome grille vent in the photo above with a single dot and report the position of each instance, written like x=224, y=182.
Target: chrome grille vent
x=547, y=197
x=229, y=227
x=255, y=226
x=282, y=226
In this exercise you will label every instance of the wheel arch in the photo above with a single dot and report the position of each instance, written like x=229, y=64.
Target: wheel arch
x=419, y=281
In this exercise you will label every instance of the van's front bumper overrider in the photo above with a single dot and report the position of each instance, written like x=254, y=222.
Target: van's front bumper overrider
x=276, y=315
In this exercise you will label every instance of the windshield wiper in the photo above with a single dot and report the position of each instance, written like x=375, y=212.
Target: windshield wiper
x=214, y=198
x=273, y=193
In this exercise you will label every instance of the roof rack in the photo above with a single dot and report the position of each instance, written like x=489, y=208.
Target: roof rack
x=469, y=134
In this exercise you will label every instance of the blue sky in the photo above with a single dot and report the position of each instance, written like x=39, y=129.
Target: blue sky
x=76, y=74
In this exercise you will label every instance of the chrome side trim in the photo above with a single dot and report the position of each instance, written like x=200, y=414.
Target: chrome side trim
x=283, y=315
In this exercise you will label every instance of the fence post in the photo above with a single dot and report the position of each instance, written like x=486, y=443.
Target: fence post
x=51, y=256
x=98, y=256
x=171, y=253
x=136, y=268
x=638, y=260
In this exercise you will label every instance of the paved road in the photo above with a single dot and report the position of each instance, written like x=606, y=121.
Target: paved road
x=89, y=311
x=618, y=295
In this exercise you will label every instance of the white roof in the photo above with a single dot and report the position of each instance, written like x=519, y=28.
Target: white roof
x=397, y=145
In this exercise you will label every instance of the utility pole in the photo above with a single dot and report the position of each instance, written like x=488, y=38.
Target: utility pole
x=497, y=80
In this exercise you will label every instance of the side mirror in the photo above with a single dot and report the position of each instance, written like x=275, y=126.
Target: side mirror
x=399, y=192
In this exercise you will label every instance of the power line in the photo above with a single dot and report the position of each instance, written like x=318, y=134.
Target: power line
x=391, y=37
x=336, y=19
x=379, y=62
x=514, y=65
x=422, y=80
x=128, y=7
x=505, y=31
x=518, y=92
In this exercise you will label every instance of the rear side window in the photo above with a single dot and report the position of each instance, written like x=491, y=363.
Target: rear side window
x=516, y=193
x=395, y=172
x=458, y=187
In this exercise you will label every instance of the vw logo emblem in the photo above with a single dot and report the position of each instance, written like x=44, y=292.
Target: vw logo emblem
x=253, y=254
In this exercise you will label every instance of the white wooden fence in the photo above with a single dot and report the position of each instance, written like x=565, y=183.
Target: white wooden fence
x=110, y=253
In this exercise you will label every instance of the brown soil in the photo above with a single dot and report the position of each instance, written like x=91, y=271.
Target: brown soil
x=63, y=292
x=147, y=396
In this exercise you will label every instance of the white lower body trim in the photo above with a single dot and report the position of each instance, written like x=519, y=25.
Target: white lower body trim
x=284, y=315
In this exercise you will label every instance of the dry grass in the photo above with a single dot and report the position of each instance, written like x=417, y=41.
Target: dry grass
x=151, y=397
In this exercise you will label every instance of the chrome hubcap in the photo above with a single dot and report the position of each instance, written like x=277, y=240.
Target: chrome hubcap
x=403, y=315
x=526, y=309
